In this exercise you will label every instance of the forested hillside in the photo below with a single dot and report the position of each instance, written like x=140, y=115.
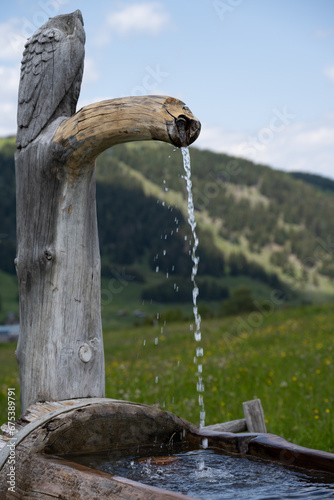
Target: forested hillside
x=7, y=206
x=252, y=211
x=318, y=181
x=253, y=222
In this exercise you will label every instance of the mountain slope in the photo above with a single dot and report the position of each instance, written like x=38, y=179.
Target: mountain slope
x=253, y=222
x=275, y=220
x=317, y=181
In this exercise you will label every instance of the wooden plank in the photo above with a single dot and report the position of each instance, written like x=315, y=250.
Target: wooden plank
x=254, y=416
x=231, y=426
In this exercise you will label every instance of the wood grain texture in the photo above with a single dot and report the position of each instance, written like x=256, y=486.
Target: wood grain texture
x=231, y=426
x=104, y=124
x=58, y=269
x=89, y=426
x=51, y=74
x=254, y=416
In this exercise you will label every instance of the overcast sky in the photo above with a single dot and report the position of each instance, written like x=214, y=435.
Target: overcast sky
x=259, y=74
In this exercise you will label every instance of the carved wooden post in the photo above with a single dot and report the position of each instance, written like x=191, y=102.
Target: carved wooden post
x=60, y=349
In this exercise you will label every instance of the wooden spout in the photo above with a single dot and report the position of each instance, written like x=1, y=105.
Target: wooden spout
x=101, y=125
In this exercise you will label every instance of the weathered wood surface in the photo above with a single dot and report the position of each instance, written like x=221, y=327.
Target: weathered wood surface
x=102, y=125
x=57, y=478
x=51, y=74
x=87, y=426
x=60, y=349
x=55, y=433
x=253, y=421
x=254, y=416
x=231, y=426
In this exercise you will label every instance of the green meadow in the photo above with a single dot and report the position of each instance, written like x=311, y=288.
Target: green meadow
x=284, y=357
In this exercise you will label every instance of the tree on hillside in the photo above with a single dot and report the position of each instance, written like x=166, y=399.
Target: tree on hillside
x=241, y=301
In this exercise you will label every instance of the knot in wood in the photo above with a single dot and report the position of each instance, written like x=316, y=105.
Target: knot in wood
x=85, y=353
x=48, y=255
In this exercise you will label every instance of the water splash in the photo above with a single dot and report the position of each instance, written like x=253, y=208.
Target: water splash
x=195, y=259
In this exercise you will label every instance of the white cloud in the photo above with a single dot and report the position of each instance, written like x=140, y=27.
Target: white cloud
x=303, y=147
x=323, y=33
x=91, y=73
x=8, y=119
x=12, y=39
x=9, y=81
x=307, y=147
x=217, y=139
x=318, y=137
x=329, y=72
x=149, y=18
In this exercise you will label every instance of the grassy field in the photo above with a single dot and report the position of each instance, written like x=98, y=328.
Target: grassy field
x=9, y=295
x=284, y=357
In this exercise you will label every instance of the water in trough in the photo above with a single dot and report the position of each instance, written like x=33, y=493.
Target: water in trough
x=212, y=475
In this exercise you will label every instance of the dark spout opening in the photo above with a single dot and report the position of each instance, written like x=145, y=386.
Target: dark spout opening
x=183, y=131
x=181, y=124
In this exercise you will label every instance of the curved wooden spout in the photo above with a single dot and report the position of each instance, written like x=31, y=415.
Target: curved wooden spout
x=101, y=125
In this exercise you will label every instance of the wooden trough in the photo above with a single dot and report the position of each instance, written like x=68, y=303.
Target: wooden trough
x=50, y=435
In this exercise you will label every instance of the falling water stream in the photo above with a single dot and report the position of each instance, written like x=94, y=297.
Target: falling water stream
x=195, y=259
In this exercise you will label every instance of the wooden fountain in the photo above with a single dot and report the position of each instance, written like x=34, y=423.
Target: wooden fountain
x=60, y=349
